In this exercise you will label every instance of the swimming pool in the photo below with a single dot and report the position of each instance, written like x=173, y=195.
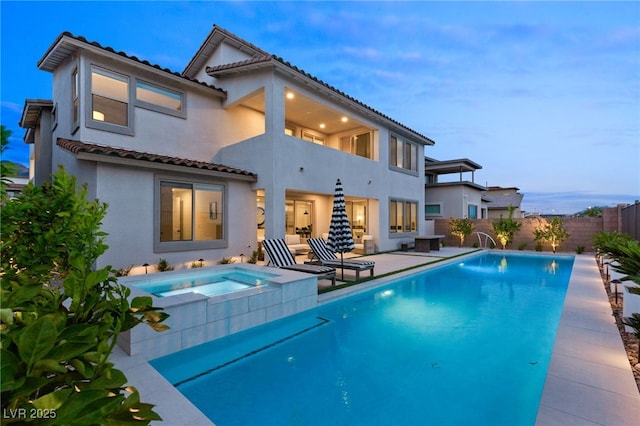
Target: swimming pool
x=467, y=343
x=208, y=284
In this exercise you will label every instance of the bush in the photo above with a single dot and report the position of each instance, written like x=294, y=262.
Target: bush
x=60, y=319
x=580, y=249
x=163, y=266
x=461, y=228
x=553, y=232
x=506, y=228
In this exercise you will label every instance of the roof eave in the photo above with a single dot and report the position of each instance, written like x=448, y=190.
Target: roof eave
x=102, y=158
x=67, y=44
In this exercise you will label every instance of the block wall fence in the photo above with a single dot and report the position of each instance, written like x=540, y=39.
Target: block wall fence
x=581, y=230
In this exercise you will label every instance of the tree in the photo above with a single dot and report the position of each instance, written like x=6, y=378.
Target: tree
x=506, y=228
x=7, y=169
x=461, y=228
x=60, y=318
x=594, y=211
x=553, y=232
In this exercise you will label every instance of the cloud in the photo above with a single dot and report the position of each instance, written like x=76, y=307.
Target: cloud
x=571, y=201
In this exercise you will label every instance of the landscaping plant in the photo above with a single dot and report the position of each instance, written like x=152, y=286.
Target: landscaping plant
x=552, y=232
x=506, y=228
x=461, y=228
x=60, y=317
x=634, y=322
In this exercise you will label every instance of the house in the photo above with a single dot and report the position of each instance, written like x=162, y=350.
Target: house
x=240, y=146
x=453, y=198
x=501, y=199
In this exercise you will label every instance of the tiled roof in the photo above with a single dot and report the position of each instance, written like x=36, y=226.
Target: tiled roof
x=262, y=57
x=77, y=147
x=239, y=64
x=58, y=51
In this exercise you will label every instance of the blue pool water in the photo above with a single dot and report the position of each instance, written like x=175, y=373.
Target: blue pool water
x=463, y=344
x=208, y=284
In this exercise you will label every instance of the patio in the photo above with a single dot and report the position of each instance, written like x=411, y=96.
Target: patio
x=589, y=381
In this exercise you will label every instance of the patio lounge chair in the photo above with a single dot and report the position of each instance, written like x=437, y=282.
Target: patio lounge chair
x=280, y=256
x=326, y=257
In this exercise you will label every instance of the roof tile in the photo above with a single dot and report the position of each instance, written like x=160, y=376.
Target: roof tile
x=77, y=147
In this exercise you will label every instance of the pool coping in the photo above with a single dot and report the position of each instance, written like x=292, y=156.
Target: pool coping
x=589, y=381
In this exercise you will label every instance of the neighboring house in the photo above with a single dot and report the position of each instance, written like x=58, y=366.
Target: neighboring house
x=239, y=146
x=500, y=199
x=453, y=198
x=15, y=183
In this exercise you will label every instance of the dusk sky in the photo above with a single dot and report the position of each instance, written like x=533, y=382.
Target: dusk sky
x=544, y=95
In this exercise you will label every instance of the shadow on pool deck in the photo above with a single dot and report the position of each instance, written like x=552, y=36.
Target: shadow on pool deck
x=589, y=381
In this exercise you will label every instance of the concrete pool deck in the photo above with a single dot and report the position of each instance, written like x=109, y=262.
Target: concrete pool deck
x=589, y=381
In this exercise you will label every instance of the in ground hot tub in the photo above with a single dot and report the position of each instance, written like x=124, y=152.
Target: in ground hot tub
x=209, y=283
x=207, y=303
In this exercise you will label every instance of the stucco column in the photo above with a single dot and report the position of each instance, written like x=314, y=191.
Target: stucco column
x=274, y=199
x=274, y=106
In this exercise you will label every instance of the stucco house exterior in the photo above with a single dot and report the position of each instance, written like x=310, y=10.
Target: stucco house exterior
x=205, y=163
x=501, y=199
x=457, y=197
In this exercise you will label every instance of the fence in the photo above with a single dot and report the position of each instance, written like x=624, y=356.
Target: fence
x=630, y=220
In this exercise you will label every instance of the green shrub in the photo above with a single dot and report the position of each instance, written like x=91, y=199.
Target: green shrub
x=254, y=257
x=197, y=263
x=539, y=246
x=460, y=228
x=506, y=228
x=580, y=249
x=552, y=232
x=226, y=260
x=60, y=318
x=163, y=266
x=522, y=246
x=123, y=272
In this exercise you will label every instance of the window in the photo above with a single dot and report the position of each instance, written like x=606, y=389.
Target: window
x=75, y=90
x=432, y=209
x=473, y=211
x=403, y=216
x=109, y=97
x=313, y=138
x=359, y=144
x=403, y=154
x=156, y=98
x=191, y=214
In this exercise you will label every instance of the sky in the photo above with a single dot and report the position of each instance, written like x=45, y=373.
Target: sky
x=545, y=96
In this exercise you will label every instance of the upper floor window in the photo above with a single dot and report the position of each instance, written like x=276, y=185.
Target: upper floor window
x=313, y=138
x=75, y=90
x=359, y=144
x=109, y=97
x=403, y=154
x=154, y=97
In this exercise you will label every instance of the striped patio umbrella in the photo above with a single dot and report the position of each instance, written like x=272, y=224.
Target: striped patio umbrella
x=340, y=239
